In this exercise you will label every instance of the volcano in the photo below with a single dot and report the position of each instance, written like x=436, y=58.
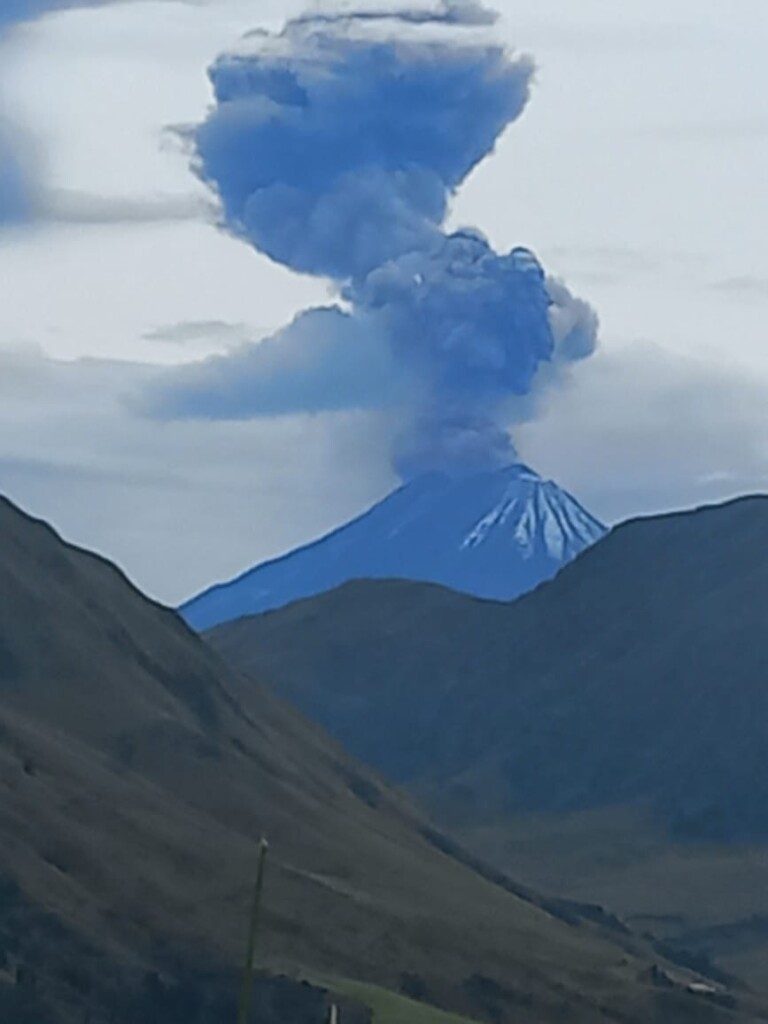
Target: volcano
x=496, y=534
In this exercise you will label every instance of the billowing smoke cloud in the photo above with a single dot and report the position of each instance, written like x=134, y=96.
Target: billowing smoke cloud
x=335, y=147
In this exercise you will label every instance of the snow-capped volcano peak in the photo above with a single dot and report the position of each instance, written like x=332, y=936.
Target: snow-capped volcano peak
x=534, y=513
x=495, y=534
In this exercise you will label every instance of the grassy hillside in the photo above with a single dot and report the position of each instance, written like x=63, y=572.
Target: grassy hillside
x=137, y=776
x=633, y=685
x=390, y=1008
x=708, y=898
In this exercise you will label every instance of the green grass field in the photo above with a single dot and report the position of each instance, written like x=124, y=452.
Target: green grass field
x=390, y=1008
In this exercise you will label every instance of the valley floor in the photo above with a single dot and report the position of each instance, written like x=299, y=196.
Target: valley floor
x=709, y=899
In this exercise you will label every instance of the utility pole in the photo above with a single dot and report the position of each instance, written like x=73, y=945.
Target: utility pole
x=246, y=988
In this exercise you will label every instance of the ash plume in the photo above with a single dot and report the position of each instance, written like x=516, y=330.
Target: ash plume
x=335, y=148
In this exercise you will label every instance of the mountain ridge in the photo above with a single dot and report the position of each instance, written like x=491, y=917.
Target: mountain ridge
x=495, y=534
x=611, y=598
x=621, y=703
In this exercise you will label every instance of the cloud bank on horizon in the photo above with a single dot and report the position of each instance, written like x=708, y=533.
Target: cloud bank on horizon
x=335, y=147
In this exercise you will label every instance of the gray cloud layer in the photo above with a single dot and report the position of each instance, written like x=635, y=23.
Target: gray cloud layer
x=325, y=361
x=68, y=207
x=637, y=430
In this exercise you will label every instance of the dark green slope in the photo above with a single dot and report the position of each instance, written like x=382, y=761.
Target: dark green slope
x=137, y=775
x=639, y=674
x=604, y=738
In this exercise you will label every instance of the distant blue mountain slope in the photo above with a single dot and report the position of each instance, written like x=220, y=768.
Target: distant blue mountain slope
x=496, y=534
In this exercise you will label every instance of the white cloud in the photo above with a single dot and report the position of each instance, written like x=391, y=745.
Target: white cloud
x=642, y=429
x=177, y=505
x=101, y=289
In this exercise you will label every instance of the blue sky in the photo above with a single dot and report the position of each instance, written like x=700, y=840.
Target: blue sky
x=636, y=173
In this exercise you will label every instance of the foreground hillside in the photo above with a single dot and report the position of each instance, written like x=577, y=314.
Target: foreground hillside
x=134, y=787
x=624, y=704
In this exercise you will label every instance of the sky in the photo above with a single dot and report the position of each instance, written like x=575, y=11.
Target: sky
x=636, y=174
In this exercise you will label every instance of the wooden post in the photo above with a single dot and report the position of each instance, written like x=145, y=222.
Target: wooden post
x=246, y=987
